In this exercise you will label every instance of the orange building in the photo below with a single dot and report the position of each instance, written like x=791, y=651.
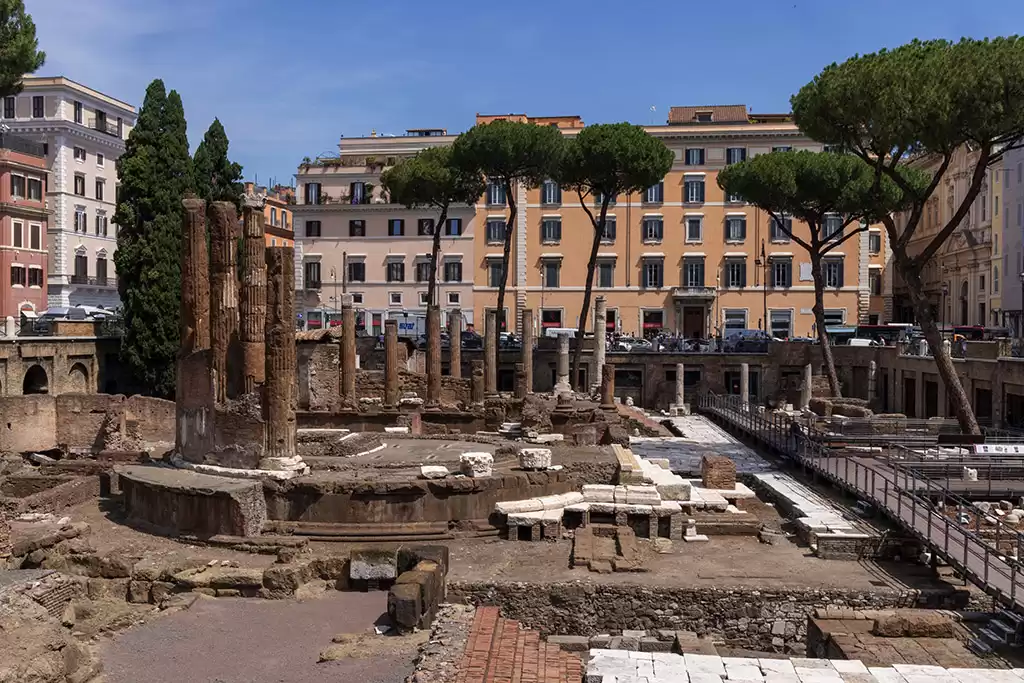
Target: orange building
x=277, y=213
x=24, y=219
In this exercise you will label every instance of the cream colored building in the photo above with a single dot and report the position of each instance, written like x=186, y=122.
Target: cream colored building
x=84, y=132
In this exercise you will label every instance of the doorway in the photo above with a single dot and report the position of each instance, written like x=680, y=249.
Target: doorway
x=910, y=397
x=693, y=322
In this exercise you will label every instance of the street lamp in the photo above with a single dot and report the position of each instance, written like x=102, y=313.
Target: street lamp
x=945, y=292
x=1020, y=311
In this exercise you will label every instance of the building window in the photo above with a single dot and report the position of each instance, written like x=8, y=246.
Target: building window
x=311, y=272
x=735, y=272
x=312, y=195
x=35, y=277
x=693, y=271
x=833, y=268
x=357, y=228
x=80, y=220
x=654, y=276
x=425, y=227
x=655, y=194
x=734, y=155
x=654, y=229
x=17, y=186
x=101, y=225
x=396, y=227
x=694, y=156
x=9, y=107
x=550, y=193
x=453, y=227
x=782, y=272
x=356, y=271
x=599, y=199
x=834, y=317
x=605, y=274
x=694, y=228
x=831, y=226
x=357, y=193
x=875, y=241
x=120, y=127
x=396, y=271
x=35, y=237
x=81, y=268
x=273, y=214
x=454, y=299
x=736, y=228
x=453, y=271
x=312, y=228
x=16, y=234
x=550, y=317
x=35, y=189
x=777, y=234
x=495, y=194
x=99, y=159
x=981, y=282
x=781, y=324
x=494, y=273
x=551, y=230
x=394, y=298
x=99, y=189
x=80, y=154
x=18, y=276
x=782, y=148
x=80, y=185
x=693, y=191
x=101, y=270
x=875, y=281
x=608, y=234
x=995, y=280
x=652, y=322
x=495, y=231
x=423, y=271
x=735, y=320
x=551, y=270
x=37, y=107
x=424, y=302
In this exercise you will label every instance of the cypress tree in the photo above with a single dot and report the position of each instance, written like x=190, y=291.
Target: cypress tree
x=155, y=173
x=217, y=177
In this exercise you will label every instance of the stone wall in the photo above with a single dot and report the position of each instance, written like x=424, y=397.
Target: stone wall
x=28, y=423
x=71, y=365
x=81, y=418
x=319, y=376
x=370, y=383
x=764, y=620
x=153, y=417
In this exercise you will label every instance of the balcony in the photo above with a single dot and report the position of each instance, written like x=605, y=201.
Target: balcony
x=104, y=126
x=16, y=143
x=102, y=282
x=694, y=293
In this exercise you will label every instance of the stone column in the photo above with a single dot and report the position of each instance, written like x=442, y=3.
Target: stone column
x=391, y=364
x=562, y=385
x=520, y=384
x=224, y=342
x=491, y=355
x=608, y=387
x=253, y=302
x=477, y=381
x=194, y=393
x=745, y=383
x=872, y=382
x=526, y=322
x=455, y=343
x=433, y=401
x=805, y=389
x=680, y=401
x=348, y=355
x=600, y=323
x=279, y=394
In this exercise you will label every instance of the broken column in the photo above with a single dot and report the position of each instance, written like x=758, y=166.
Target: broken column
x=872, y=380
x=253, y=302
x=455, y=343
x=520, y=383
x=526, y=323
x=194, y=398
x=491, y=355
x=562, y=368
x=680, y=402
x=391, y=364
x=280, y=451
x=223, y=299
x=433, y=401
x=608, y=387
x=600, y=325
x=476, y=386
x=805, y=388
x=348, y=354
x=745, y=383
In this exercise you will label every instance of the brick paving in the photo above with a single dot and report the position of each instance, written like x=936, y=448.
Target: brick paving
x=501, y=651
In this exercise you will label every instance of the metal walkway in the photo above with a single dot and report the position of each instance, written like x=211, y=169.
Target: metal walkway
x=897, y=492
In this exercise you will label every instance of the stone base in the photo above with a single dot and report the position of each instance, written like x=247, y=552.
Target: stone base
x=679, y=410
x=292, y=464
x=236, y=473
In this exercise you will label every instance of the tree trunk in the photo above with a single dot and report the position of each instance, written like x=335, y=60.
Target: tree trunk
x=819, y=322
x=581, y=329
x=509, y=229
x=954, y=390
x=435, y=249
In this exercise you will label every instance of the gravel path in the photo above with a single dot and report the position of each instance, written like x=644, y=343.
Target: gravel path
x=231, y=640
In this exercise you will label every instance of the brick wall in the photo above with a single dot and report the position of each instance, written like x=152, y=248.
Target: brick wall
x=28, y=423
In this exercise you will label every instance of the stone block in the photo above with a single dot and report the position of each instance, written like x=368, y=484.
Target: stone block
x=107, y=589
x=405, y=606
x=286, y=577
x=220, y=577
x=599, y=493
x=535, y=458
x=600, y=642
x=373, y=565
x=570, y=643
x=513, y=507
x=426, y=583
x=476, y=464
x=410, y=556
x=139, y=591
x=651, y=644
x=433, y=471
x=160, y=590
x=718, y=472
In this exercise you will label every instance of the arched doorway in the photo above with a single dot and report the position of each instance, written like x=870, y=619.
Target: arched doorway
x=78, y=379
x=963, y=304
x=36, y=381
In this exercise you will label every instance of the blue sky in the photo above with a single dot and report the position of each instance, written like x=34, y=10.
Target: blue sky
x=288, y=78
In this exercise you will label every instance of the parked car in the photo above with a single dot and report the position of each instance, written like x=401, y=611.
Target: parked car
x=507, y=340
x=472, y=340
x=746, y=341
x=421, y=341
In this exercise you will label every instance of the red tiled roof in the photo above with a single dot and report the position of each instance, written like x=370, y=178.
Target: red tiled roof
x=720, y=113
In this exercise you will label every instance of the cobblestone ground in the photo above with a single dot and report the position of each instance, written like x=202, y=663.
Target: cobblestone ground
x=230, y=640
x=700, y=436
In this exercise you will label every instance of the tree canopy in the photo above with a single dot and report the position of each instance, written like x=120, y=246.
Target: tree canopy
x=155, y=173
x=19, y=48
x=217, y=178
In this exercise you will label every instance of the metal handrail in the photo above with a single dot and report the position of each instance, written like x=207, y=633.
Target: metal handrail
x=776, y=431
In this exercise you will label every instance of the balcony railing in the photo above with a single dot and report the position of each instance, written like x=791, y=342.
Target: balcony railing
x=104, y=126
x=312, y=284
x=16, y=143
x=94, y=281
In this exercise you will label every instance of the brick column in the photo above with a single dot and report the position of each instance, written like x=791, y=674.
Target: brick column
x=253, y=301
x=527, y=336
x=391, y=364
x=455, y=343
x=491, y=355
x=223, y=299
x=348, y=355
x=600, y=325
x=278, y=402
x=194, y=394
x=433, y=401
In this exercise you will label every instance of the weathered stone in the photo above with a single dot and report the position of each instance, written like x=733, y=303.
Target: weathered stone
x=139, y=591
x=107, y=589
x=159, y=590
x=373, y=565
x=391, y=364
x=476, y=464
x=491, y=354
x=220, y=577
x=405, y=606
x=570, y=643
x=535, y=458
x=286, y=577
x=433, y=471
x=253, y=301
x=526, y=330
x=718, y=472
x=455, y=345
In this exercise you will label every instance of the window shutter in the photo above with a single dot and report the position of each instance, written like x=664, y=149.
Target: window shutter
x=840, y=264
x=789, y=275
x=701, y=187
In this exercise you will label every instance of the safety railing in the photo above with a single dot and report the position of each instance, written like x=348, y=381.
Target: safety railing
x=895, y=490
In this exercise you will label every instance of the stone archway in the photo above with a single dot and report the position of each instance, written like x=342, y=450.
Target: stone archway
x=78, y=379
x=36, y=381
